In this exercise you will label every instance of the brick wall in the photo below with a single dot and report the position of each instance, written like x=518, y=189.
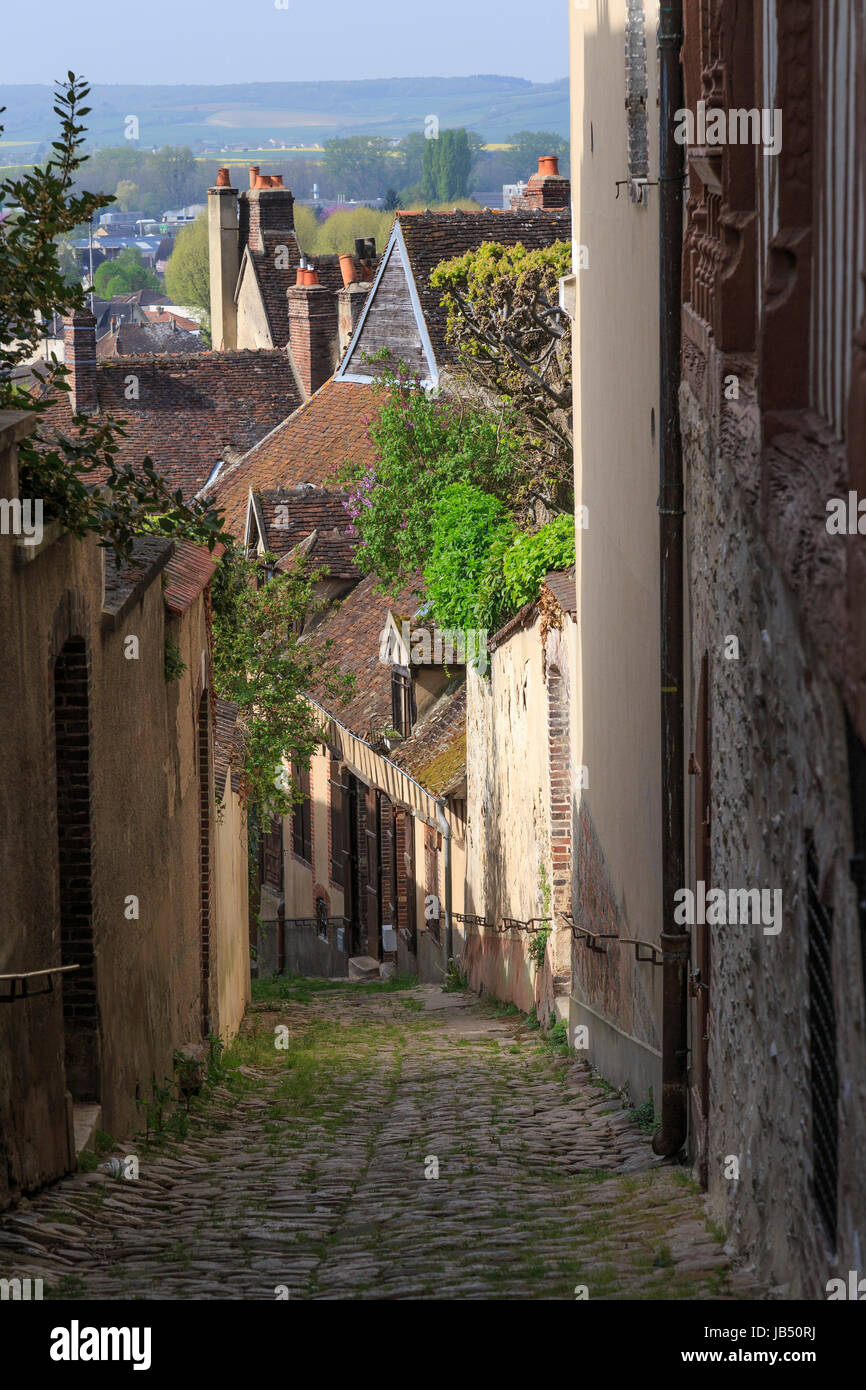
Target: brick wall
x=74, y=832
x=313, y=333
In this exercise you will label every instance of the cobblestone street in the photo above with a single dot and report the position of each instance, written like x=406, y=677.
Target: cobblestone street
x=305, y=1170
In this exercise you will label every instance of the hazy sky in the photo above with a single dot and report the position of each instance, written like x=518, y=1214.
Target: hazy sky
x=201, y=41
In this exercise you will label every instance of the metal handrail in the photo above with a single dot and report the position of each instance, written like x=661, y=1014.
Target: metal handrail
x=589, y=937
x=25, y=975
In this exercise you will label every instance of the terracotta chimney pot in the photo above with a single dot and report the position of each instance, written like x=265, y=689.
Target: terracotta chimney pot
x=254, y=174
x=222, y=178
x=348, y=269
x=548, y=166
x=277, y=181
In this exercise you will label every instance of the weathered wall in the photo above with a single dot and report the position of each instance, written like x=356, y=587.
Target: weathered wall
x=230, y=942
x=253, y=330
x=144, y=843
x=509, y=863
x=778, y=774
x=617, y=860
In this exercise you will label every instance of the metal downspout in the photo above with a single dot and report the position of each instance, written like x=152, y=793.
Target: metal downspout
x=675, y=943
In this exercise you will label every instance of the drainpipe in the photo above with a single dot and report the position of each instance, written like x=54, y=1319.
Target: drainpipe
x=675, y=944
x=446, y=842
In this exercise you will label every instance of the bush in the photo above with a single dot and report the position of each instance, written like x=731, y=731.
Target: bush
x=531, y=557
x=468, y=525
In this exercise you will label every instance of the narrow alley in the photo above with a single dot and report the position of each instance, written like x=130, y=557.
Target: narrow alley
x=307, y=1169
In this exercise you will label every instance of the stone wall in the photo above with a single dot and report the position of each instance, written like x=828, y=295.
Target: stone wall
x=101, y=834
x=778, y=778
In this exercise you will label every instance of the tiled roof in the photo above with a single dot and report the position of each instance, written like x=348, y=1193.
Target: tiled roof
x=193, y=410
x=291, y=514
x=188, y=573
x=355, y=628
x=227, y=746
x=306, y=448
x=562, y=586
x=432, y=237
x=331, y=551
x=150, y=554
x=435, y=755
x=133, y=339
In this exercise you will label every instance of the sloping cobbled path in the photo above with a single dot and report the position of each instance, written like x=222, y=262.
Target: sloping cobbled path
x=309, y=1172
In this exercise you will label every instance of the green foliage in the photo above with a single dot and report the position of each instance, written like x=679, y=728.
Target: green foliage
x=558, y=1035
x=123, y=275
x=445, y=166
x=187, y=272
x=644, y=1116
x=533, y=1022
x=514, y=341
x=58, y=469
x=145, y=181
x=530, y=557
x=262, y=666
x=538, y=945
x=467, y=523
x=358, y=166
x=174, y=663
x=338, y=232
x=423, y=444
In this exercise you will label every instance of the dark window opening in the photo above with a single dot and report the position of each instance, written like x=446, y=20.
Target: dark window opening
x=321, y=919
x=338, y=825
x=822, y=1047
x=402, y=703
x=302, y=820
x=72, y=751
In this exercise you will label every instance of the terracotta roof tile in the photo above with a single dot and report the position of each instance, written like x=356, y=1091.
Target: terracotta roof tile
x=188, y=573
x=355, y=628
x=193, y=410
x=435, y=755
x=227, y=746
x=308, y=447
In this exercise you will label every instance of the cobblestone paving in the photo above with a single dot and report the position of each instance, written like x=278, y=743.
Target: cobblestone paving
x=303, y=1170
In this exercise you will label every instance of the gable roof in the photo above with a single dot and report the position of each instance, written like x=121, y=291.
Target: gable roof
x=188, y=573
x=193, y=410
x=355, y=628
x=435, y=753
x=403, y=312
x=308, y=447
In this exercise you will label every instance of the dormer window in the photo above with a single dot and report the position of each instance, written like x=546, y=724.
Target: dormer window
x=402, y=701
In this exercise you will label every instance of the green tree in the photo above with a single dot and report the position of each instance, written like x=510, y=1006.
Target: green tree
x=446, y=166
x=125, y=274
x=265, y=668
x=527, y=146
x=423, y=444
x=62, y=471
x=127, y=196
x=470, y=530
x=358, y=166
x=514, y=340
x=187, y=273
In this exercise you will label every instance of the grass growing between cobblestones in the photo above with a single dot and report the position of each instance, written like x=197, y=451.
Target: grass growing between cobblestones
x=404, y=1143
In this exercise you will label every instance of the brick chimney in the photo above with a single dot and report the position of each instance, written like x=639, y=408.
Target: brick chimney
x=350, y=303
x=265, y=207
x=79, y=344
x=546, y=189
x=224, y=258
x=312, y=330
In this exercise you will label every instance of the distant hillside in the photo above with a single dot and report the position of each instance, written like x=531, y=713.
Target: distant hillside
x=293, y=113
